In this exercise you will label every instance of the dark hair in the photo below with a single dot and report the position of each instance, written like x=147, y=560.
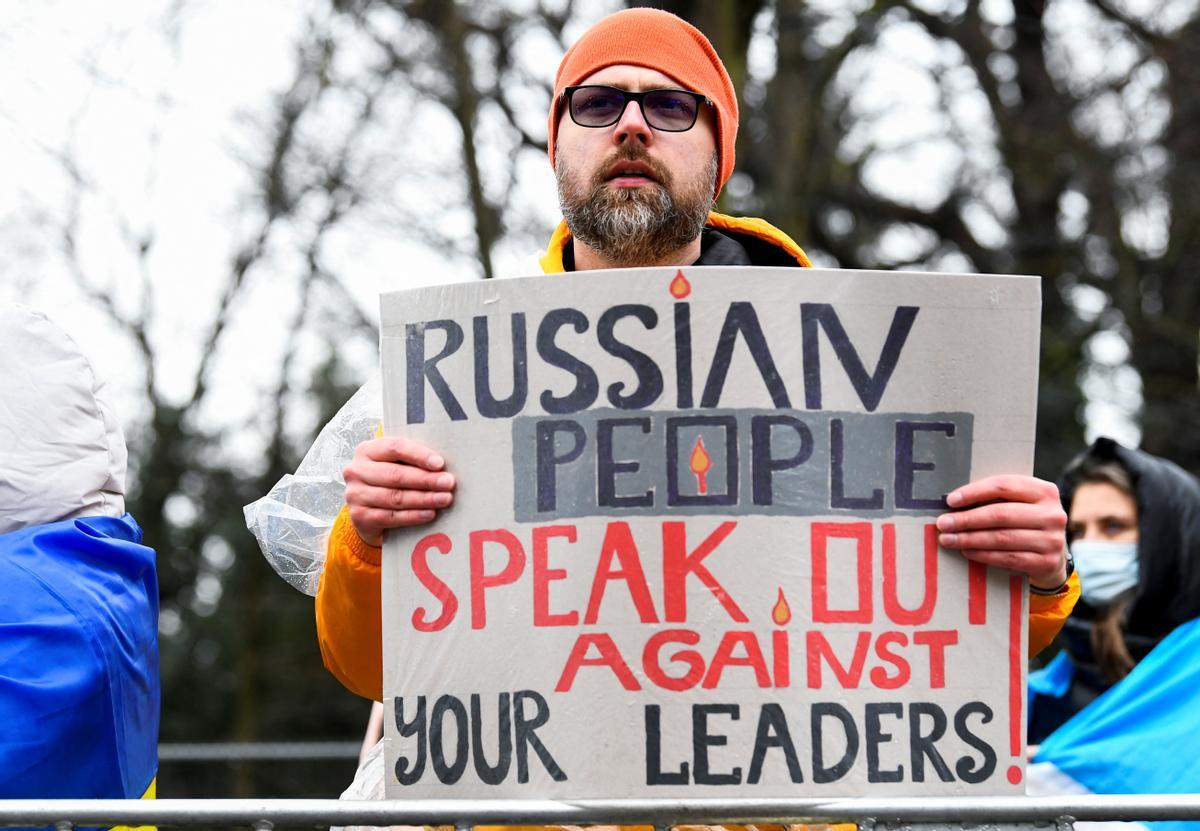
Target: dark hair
x=1108, y=627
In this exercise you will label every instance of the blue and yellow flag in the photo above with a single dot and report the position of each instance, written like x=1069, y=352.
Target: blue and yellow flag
x=1139, y=737
x=79, y=688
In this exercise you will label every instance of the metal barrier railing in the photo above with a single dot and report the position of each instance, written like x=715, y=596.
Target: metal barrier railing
x=1061, y=812
x=257, y=751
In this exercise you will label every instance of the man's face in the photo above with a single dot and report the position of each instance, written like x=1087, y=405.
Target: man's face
x=633, y=193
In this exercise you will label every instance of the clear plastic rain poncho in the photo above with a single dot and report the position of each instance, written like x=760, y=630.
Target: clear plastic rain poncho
x=292, y=522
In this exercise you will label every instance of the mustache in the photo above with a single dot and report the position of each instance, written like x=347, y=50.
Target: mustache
x=632, y=154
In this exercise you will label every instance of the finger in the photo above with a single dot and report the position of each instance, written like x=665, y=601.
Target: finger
x=397, y=476
x=1042, y=517
x=397, y=499
x=1019, y=561
x=381, y=519
x=398, y=449
x=1041, y=569
x=1002, y=488
x=1004, y=539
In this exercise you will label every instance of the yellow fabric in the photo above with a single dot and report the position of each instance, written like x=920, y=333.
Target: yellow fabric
x=552, y=261
x=349, y=617
x=151, y=793
x=760, y=229
x=1047, y=613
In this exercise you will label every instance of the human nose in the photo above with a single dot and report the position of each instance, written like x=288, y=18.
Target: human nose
x=632, y=126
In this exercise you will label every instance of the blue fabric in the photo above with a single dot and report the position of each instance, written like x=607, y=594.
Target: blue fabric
x=1141, y=735
x=79, y=689
x=1054, y=679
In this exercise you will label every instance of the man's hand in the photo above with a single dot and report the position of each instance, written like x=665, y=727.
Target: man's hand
x=1014, y=522
x=393, y=483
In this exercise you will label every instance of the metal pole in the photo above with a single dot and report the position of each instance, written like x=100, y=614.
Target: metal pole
x=176, y=752
x=661, y=812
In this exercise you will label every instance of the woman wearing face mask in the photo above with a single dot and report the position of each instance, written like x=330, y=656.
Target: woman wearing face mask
x=1134, y=533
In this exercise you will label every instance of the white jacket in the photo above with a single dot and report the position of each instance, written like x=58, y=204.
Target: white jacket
x=62, y=454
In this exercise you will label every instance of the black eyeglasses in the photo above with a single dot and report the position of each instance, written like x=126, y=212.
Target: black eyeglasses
x=670, y=110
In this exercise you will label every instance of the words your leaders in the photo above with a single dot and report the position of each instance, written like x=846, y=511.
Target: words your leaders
x=446, y=738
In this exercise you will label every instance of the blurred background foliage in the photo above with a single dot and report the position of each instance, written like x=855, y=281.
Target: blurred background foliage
x=1050, y=137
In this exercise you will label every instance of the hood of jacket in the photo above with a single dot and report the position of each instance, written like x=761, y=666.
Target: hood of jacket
x=64, y=455
x=1168, y=506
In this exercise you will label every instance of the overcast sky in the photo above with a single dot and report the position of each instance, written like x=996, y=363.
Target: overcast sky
x=150, y=100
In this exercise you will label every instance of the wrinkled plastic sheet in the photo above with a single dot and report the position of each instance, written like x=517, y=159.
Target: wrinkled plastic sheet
x=292, y=522
x=367, y=784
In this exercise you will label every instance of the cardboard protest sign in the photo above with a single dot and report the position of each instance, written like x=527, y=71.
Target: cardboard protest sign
x=692, y=548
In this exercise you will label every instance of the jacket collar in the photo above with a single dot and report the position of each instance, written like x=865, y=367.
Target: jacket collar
x=756, y=229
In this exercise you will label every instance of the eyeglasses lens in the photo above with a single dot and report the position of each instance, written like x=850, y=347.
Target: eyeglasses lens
x=668, y=110
x=597, y=106
x=663, y=109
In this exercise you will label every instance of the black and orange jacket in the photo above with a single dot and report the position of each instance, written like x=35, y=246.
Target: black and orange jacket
x=349, y=622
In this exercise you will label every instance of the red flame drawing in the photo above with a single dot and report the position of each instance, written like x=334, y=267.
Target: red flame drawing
x=700, y=463
x=680, y=287
x=782, y=612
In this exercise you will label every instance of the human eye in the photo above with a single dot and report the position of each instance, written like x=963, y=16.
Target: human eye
x=602, y=99
x=673, y=104
x=1115, y=527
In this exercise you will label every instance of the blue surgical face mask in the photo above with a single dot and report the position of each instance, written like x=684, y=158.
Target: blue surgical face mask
x=1105, y=569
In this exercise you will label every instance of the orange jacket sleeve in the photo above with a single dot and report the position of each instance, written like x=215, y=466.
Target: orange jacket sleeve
x=1047, y=614
x=349, y=622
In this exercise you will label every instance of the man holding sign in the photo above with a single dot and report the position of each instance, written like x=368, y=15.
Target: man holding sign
x=641, y=136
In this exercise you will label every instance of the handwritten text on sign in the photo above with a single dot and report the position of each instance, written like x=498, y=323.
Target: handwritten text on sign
x=692, y=549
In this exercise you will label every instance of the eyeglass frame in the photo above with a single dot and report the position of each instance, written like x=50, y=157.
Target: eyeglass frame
x=630, y=97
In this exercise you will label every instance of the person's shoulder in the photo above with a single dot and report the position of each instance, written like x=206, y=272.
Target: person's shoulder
x=766, y=244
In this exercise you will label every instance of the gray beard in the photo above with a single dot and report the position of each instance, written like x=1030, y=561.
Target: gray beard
x=635, y=226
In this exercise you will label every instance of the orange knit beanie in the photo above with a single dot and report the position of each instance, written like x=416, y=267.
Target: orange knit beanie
x=661, y=41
